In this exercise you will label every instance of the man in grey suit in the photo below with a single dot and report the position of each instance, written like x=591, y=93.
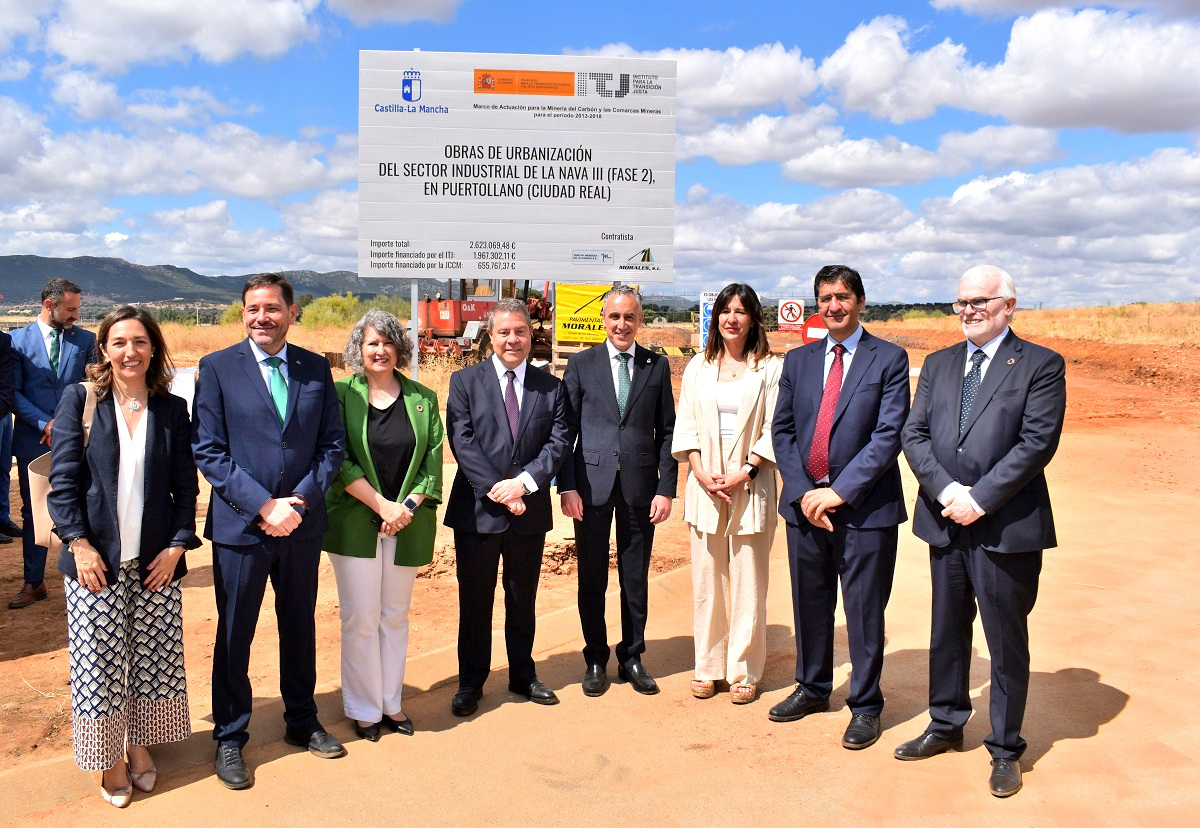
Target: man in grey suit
x=986, y=421
x=48, y=355
x=621, y=408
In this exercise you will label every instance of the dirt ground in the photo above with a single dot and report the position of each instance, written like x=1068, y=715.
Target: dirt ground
x=1115, y=649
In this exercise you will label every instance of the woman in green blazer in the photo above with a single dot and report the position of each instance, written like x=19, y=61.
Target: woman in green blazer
x=382, y=517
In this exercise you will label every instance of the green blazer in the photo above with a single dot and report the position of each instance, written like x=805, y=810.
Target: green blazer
x=353, y=525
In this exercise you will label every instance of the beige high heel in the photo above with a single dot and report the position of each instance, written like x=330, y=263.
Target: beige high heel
x=145, y=780
x=118, y=797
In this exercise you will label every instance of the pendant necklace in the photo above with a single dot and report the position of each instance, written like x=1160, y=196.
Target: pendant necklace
x=134, y=405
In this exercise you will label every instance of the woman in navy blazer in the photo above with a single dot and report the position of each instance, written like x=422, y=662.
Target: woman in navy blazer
x=125, y=508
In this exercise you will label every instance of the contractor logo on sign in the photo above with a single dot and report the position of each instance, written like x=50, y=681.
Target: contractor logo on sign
x=410, y=87
x=642, y=260
x=599, y=257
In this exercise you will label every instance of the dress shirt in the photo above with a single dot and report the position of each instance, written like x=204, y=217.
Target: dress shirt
x=46, y=331
x=261, y=357
x=989, y=349
x=501, y=369
x=851, y=345
x=615, y=364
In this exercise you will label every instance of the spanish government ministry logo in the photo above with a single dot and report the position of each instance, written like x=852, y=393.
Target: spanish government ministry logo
x=410, y=87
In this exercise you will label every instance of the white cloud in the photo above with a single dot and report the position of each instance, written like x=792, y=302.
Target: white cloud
x=763, y=138
x=180, y=105
x=995, y=7
x=63, y=215
x=713, y=84
x=113, y=240
x=363, y=12
x=21, y=18
x=113, y=35
x=865, y=162
x=1000, y=147
x=13, y=69
x=20, y=139
x=213, y=214
x=1131, y=73
x=89, y=98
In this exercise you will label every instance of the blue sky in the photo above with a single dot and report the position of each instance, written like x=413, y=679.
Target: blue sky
x=910, y=140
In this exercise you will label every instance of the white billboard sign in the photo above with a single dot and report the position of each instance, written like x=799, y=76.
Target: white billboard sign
x=516, y=166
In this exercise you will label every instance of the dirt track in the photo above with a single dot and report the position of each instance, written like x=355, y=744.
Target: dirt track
x=1115, y=647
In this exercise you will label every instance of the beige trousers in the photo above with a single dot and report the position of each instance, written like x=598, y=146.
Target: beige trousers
x=729, y=591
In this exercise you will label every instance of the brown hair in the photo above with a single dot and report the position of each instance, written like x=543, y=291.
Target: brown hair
x=161, y=369
x=757, y=347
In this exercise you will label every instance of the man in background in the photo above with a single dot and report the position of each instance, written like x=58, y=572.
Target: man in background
x=7, y=530
x=48, y=355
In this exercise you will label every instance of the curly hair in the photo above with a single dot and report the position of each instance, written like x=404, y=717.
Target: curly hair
x=161, y=369
x=389, y=328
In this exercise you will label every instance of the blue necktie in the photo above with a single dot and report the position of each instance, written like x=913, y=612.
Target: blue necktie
x=970, y=388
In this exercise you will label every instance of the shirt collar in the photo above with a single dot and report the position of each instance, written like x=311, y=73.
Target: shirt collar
x=44, y=328
x=849, y=343
x=260, y=355
x=988, y=348
x=613, y=350
x=500, y=369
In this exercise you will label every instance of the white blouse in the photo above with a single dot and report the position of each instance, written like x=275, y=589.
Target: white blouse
x=729, y=397
x=131, y=485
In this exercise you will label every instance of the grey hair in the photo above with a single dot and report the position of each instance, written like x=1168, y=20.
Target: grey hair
x=56, y=289
x=389, y=328
x=1008, y=289
x=509, y=306
x=622, y=290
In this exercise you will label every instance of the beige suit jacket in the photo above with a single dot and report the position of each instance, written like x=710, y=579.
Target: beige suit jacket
x=697, y=428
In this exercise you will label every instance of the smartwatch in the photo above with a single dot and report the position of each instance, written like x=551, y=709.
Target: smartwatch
x=751, y=470
x=409, y=503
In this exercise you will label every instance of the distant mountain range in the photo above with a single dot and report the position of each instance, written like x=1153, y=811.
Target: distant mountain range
x=114, y=281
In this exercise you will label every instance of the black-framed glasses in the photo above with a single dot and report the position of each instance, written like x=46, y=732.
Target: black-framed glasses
x=978, y=305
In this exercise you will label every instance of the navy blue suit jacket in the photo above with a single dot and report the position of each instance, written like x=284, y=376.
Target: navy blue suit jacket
x=1011, y=434
x=640, y=440
x=83, y=497
x=36, y=388
x=248, y=457
x=6, y=375
x=483, y=446
x=864, y=443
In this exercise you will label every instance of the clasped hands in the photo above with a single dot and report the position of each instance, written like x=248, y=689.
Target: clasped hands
x=278, y=517
x=721, y=486
x=818, y=504
x=509, y=493
x=961, y=509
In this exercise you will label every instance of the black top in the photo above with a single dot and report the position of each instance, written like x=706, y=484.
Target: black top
x=392, y=442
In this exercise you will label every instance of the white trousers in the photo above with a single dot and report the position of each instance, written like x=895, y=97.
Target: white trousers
x=374, y=595
x=729, y=591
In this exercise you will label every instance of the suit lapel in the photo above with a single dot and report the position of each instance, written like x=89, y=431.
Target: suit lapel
x=104, y=422
x=36, y=350
x=296, y=367
x=255, y=378
x=528, y=402
x=1007, y=356
x=357, y=412
x=415, y=404
x=148, y=463
x=642, y=360
x=491, y=390
x=68, y=352
x=863, y=357
x=603, y=376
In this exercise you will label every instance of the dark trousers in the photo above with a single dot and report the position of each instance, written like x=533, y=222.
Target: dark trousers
x=635, y=536
x=6, y=434
x=1005, y=587
x=477, y=560
x=240, y=576
x=865, y=560
x=34, y=555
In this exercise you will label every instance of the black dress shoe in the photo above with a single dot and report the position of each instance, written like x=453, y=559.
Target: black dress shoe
x=796, y=707
x=7, y=527
x=5, y=538
x=1006, y=777
x=231, y=768
x=404, y=726
x=595, y=681
x=926, y=745
x=862, y=732
x=636, y=675
x=535, y=691
x=466, y=701
x=318, y=741
x=370, y=732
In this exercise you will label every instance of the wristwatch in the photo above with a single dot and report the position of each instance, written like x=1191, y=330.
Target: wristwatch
x=751, y=470
x=409, y=503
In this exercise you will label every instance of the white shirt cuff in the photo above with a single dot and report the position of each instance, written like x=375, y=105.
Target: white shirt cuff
x=527, y=479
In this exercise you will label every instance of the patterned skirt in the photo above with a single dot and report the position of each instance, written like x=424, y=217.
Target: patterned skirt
x=127, y=676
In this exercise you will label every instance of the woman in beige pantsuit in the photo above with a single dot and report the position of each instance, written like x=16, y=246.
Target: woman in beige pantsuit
x=723, y=430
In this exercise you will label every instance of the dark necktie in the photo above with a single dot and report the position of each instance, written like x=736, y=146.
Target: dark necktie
x=54, y=346
x=278, y=386
x=510, y=402
x=623, y=383
x=970, y=388
x=818, y=457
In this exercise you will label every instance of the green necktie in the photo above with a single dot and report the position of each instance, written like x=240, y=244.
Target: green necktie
x=278, y=386
x=54, y=332
x=623, y=383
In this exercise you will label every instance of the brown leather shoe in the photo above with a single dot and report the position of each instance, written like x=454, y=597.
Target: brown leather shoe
x=28, y=595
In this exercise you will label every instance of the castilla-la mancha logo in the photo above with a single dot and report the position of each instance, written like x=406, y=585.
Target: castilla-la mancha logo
x=410, y=87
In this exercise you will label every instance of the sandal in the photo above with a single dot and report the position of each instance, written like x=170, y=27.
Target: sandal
x=704, y=688
x=742, y=693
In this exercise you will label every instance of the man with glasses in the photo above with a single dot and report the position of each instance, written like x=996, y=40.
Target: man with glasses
x=985, y=422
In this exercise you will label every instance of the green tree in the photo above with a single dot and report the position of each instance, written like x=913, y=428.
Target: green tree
x=232, y=314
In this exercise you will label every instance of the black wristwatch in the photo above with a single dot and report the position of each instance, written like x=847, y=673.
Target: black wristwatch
x=750, y=469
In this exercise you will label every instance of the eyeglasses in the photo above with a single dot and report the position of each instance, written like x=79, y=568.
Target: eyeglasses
x=978, y=305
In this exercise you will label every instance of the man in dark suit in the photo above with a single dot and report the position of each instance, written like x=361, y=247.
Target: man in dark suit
x=619, y=396
x=507, y=424
x=268, y=436
x=48, y=355
x=986, y=420
x=842, y=403
x=6, y=409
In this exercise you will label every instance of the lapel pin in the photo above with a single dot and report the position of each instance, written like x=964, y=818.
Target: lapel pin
x=420, y=407
x=1012, y=361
